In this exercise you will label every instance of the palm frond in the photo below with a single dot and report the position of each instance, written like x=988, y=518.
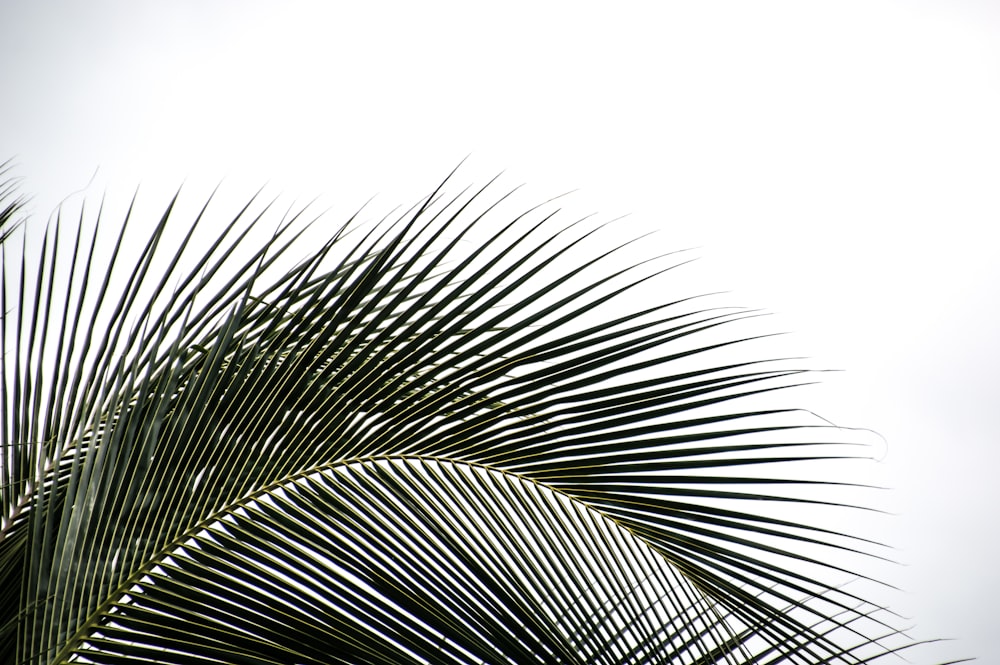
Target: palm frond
x=399, y=449
x=11, y=203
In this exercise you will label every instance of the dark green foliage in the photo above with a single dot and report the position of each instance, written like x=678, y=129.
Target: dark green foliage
x=399, y=449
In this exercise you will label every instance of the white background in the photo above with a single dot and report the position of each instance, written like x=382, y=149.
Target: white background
x=837, y=163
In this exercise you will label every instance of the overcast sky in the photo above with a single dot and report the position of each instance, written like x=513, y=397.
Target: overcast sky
x=837, y=163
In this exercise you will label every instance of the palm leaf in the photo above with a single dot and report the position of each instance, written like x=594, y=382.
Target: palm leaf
x=398, y=449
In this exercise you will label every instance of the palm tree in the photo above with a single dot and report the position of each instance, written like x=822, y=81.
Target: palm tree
x=397, y=449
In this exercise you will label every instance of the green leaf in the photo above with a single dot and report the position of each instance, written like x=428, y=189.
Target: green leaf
x=412, y=445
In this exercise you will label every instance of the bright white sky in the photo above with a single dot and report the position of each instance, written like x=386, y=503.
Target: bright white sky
x=836, y=163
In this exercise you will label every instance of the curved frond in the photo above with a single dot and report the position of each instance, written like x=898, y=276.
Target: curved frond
x=418, y=443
